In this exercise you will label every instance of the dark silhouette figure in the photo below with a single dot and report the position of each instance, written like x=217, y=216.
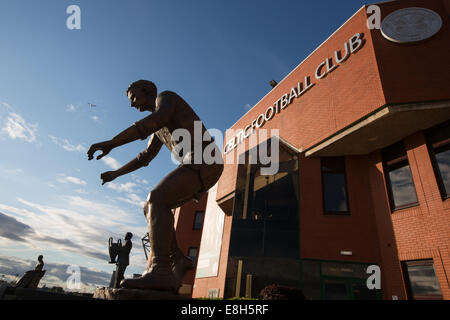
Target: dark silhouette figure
x=123, y=259
x=31, y=278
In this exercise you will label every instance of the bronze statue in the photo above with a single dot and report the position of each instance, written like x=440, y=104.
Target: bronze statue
x=40, y=264
x=123, y=260
x=169, y=112
x=113, y=249
x=31, y=278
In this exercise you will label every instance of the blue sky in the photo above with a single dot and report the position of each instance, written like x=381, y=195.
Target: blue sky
x=218, y=55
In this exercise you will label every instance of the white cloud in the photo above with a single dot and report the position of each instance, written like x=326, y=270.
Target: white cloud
x=139, y=180
x=68, y=179
x=16, y=127
x=95, y=118
x=133, y=199
x=14, y=171
x=111, y=162
x=70, y=108
x=81, y=191
x=56, y=274
x=16, y=211
x=66, y=144
x=121, y=187
x=86, y=223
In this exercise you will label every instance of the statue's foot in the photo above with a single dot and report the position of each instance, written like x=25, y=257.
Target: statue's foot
x=158, y=278
x=181, y=265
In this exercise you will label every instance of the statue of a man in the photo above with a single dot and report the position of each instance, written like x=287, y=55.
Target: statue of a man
x=123, y=259
x=40, y=264
x=31, y=278
x=169, y=112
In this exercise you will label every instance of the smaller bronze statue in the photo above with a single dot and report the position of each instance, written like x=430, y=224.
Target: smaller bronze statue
x=31, y=278
x=123, y=260
x=114, y=249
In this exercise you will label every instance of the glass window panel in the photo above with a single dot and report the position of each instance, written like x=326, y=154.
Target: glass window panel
x=311, y=279
x=438, y=139
x=193, y=253
x=198, y=221
x=398, y=176
x=361, y=292
x=402, y=186
x=423, y=280
x=344, y=270
x=335, y=290
x=334, y=192
x=443, y=161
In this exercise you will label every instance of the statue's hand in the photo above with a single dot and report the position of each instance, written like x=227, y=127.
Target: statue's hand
x=105, y=147
x=108, y=176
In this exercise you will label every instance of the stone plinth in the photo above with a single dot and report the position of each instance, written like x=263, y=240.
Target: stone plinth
x=135, y=294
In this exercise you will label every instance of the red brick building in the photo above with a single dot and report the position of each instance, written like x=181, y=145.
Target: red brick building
x=363, y=172
x=188, y=228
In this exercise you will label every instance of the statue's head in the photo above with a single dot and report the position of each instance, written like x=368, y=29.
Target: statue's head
x=128, y=236
x=40, y=258
x=142, y=95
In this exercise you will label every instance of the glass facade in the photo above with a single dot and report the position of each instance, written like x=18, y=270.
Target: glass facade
x=264, y=240
x=336, y=280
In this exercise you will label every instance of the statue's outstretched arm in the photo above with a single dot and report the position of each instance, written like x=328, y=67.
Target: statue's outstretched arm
x=139, y=130
x=142, y=160
x=128, y=135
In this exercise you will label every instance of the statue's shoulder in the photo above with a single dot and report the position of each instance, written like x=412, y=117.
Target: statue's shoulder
x=166, y=99
x=167, y=93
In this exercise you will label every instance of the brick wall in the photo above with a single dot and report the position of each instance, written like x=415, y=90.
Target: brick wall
x=186, y=236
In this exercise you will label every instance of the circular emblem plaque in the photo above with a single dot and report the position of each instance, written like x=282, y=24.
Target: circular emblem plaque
x=411, y=25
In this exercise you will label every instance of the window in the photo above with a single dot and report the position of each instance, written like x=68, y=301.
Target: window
x=421, y=280
x=336, y=280
x=334, y=185
x=438, y=139
x=192, y=253
x=198, y=220
x=264, y=238
x=399, y=182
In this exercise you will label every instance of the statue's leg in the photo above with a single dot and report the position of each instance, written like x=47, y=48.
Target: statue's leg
x=179, y=262
x=180, y=184
x=120, y=271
